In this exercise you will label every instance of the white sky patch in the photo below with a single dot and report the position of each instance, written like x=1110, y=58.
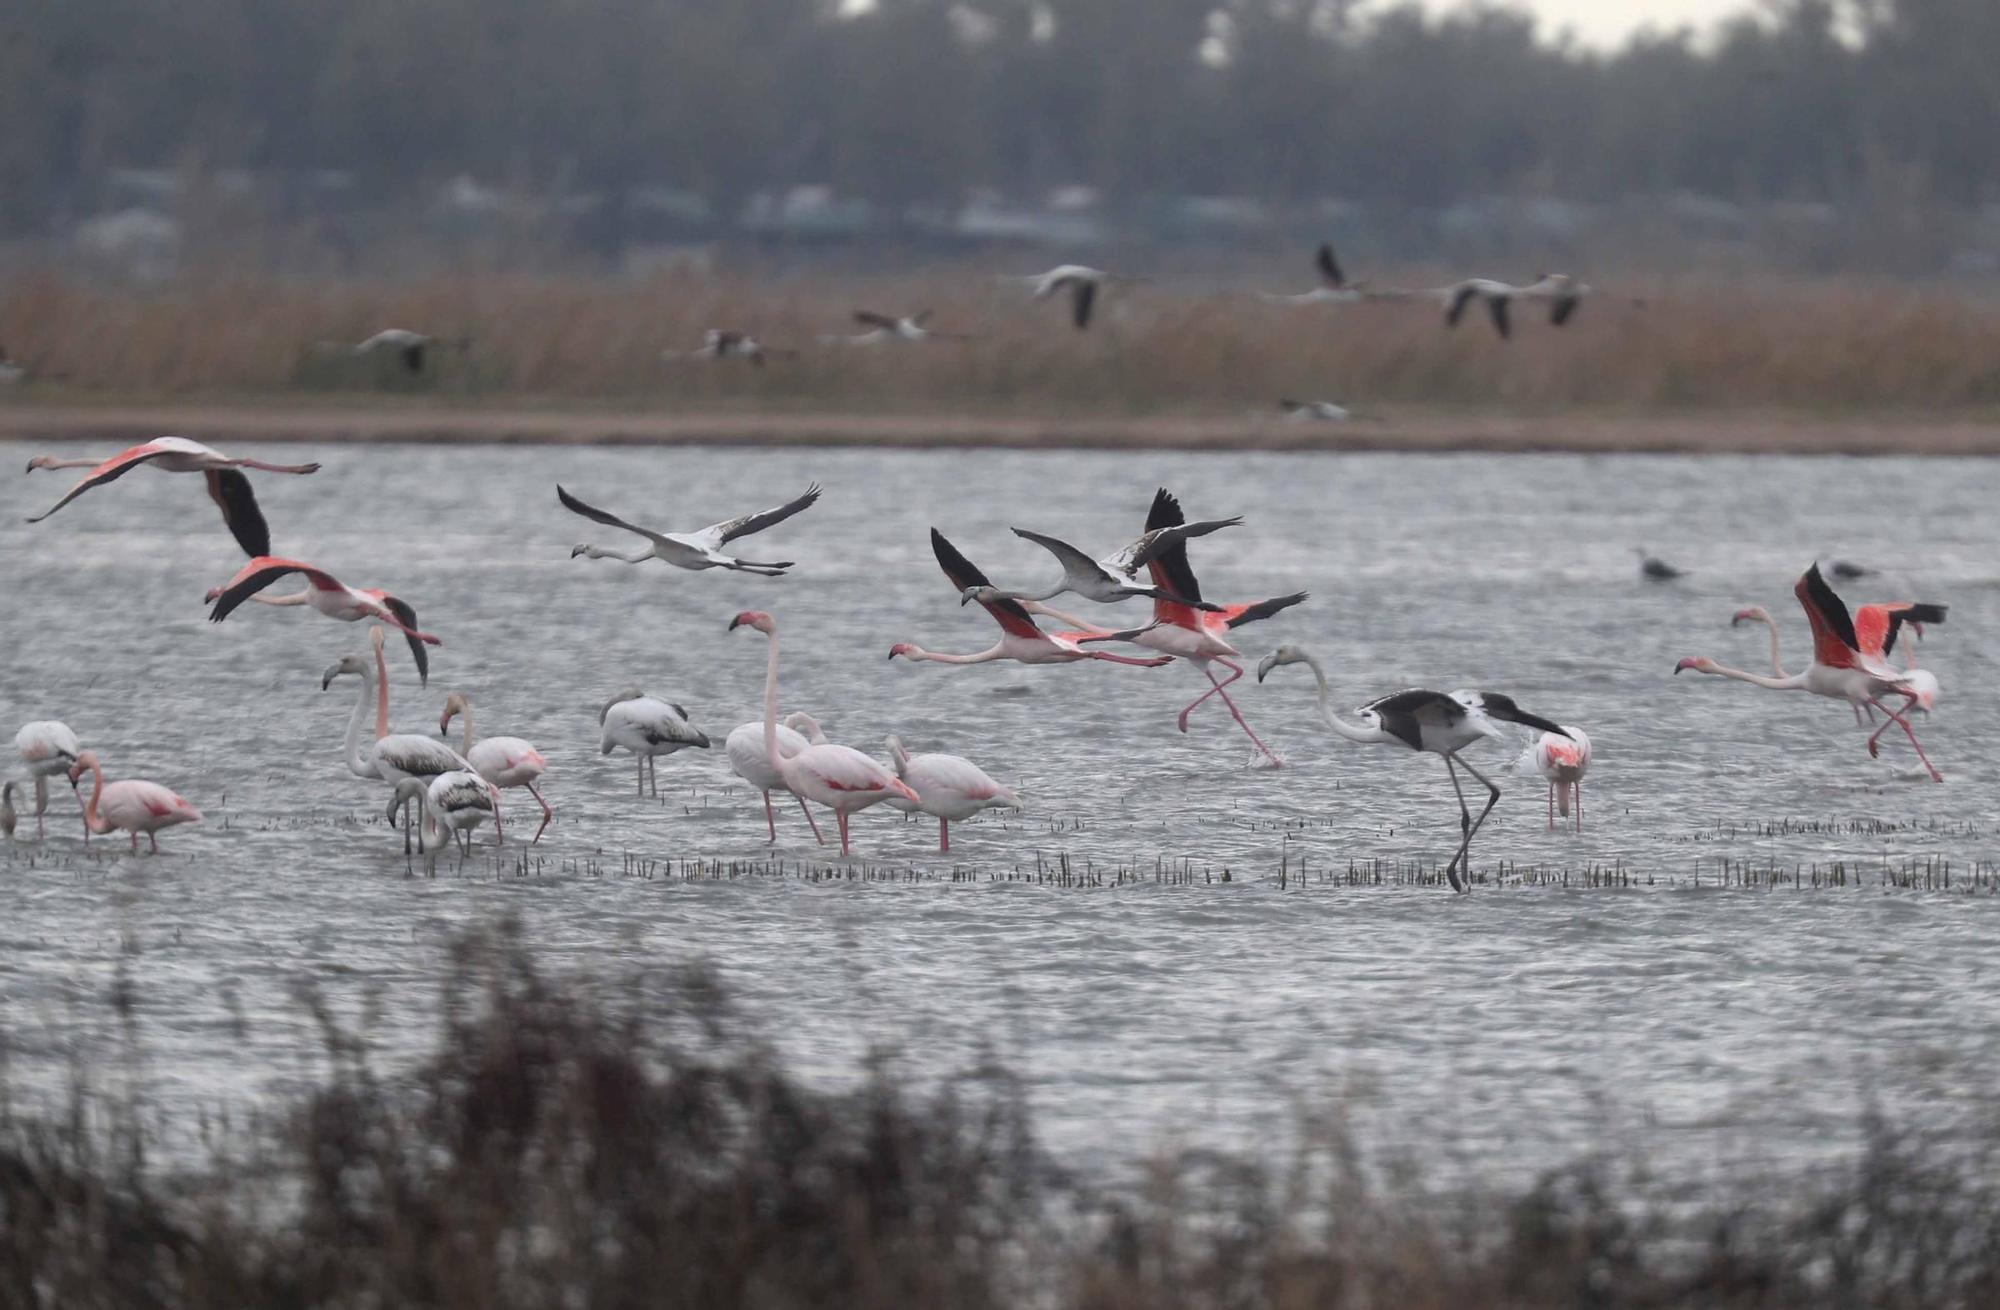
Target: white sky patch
x=1607, y=23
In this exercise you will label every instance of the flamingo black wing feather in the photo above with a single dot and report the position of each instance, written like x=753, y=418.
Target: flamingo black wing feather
x=231, y=491
x=407, y=616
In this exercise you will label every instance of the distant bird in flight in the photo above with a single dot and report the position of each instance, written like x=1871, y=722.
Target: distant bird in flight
x=694, y=550
x=411, y=348
x=882, y=329
x=1562, y=292
x=1848, y=571
x=227, y=487
x=1081, y=282
x=721, y=343
x=1654, y=569
x=1334, y=288
x=1316, y=411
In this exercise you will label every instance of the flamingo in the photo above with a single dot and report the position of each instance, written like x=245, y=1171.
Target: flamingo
x=1021, y=638
x=745, y=748
x=227, y=486
x=502, y=761
x=886, y=328
x=1875, y=628
x=695, y=550
x=1562, y=292
x=721, y=343
x=1841, y=668
x=408, y=347
x=647, y=727
x=327, y=594
x=838, y=777
x=129, y=805
x=1111, y=579
x=1438, y=722
x=1563, y=758
x=1080, y=281
x=1334, y=288
x=47, y=747
x=389, y=757
x=1196, y=636
x=449, y=807
x=947, y=786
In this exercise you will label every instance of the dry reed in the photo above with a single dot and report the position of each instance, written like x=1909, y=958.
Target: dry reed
x=1826, y=346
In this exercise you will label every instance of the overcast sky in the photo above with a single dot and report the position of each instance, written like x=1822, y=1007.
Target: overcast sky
x=1608, y=22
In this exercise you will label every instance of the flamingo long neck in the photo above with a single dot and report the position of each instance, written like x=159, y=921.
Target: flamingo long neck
x=1070, y=619
x=1777, y=667
x=69, y=464
x=357, y=763
x=900, y=756
x=935, y=657
x=1338, y=725
x=381, y=694
x=90, y=819
x=1796, y=682
x=777, y=761
x=1031, y=598
x=465, y=742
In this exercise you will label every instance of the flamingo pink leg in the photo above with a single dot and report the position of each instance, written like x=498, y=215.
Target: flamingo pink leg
x=1552, y=807
x=1579, y=804
x=1214, y=687
x=547, y=813
x=770, y=819
x=1109, y=658
x=1238, y=714
x=842, y=816
x=807, y=811
x=1874, y=749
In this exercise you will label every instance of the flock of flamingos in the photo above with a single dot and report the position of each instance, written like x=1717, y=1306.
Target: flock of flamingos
x=442, y=794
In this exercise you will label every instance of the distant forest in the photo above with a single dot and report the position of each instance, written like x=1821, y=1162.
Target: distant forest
x=916, y=104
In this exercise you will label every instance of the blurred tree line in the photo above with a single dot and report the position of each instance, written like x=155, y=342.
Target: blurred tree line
x=910, y=103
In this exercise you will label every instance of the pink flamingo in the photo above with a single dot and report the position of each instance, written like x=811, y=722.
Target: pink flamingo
x=949, y=786
x=129, y=805
x=1563, y=760
x=1840, y=669
x=327, y=594
x=1198, y=636
x=1021, y=638
x=1876, y=628
x=229, y=489
x=838, y=777
x=48, y=748
x=501, y=761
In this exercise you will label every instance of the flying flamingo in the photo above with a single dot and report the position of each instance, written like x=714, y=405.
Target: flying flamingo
x=1079, y=281
x=1563, y=758
x=1841, y=669
x=838, y=777
x=227, y=487
x=745, y=748
x=502, y=761
x=449, y=807
x=389, y=757
x=1021, y=638
x=886, y=328
x=48, y=748
x=1334, y=287
x=1199, y=637
x=1563, y=292
x=1111, y=579
x=1434, y=721
x=647, y=727
x=947, y=786
x=694, y=550
x=1876, y=628
x=129, y=805
x=327, y=594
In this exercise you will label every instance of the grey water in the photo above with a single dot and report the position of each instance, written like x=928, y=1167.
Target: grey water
x=1513, y=1026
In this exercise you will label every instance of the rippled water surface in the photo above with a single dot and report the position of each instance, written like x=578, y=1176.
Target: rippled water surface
x=1519, y=1023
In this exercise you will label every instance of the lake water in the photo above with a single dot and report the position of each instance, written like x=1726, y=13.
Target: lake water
x=1520, y=1023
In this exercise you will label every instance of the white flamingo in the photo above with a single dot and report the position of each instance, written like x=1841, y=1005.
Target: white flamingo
x=390, y=757
x=1334, y=288
x=48, y=748
x=449, y=807
x=838, y=777
x=745, y=748
x=1436, y=722
x=948, y=786
x=649, y=728
x=694, y=550
x=1562, y=759
x=129, y=805
x=503, y=761
x=227, y=486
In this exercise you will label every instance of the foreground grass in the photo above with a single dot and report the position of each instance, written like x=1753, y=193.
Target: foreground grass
x=1825, y=346
x=562, y=1146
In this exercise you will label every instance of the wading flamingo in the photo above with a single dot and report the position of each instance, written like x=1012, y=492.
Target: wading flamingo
x=745, y=748
x=47, y=748
x=647, y=727
x=1437, y=722
x=227, y=487
x=1021, y=638
x=1196, y=636
x=129, y=805
x=503, y=761
x=1840, y=669
x=947, y=786
x=838, y=777
x=390, y=757
x=448, y=805
x=1563, y=758
x=327, y=594
x=694, y=550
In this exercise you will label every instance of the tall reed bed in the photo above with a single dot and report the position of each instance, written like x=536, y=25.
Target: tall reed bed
x=1162, y=347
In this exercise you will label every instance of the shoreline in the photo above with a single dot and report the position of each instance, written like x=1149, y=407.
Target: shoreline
x=1707, y=433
